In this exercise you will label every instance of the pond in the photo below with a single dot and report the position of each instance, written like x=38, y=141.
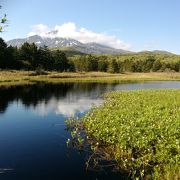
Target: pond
x=33, y=133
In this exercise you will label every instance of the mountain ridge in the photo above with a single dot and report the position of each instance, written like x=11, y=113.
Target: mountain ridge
x=76, y=46
x=57, y=42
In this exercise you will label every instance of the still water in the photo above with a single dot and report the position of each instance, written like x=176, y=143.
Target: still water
x=33, y=133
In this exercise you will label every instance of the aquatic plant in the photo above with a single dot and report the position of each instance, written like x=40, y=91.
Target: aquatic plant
x=139, y=130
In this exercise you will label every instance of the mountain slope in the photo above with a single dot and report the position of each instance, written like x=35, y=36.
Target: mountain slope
x=67, y=43
x=156, y=52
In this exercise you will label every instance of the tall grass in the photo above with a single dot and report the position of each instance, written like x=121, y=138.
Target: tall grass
x=14, y=77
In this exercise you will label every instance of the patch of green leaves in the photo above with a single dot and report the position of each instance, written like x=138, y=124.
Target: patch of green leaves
x=143, y=127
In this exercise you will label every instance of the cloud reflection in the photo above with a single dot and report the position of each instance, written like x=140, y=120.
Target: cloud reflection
x=66, y=107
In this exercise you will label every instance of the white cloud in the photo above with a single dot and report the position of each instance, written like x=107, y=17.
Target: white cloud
x=70, y=30
x=39, y=29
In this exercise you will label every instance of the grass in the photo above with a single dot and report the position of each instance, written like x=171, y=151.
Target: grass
x=23, y=77
x=139, y=130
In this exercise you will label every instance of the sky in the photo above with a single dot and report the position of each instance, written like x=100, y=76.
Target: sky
x=133, y=25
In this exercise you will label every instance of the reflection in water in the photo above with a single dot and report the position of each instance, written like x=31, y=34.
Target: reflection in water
x=66, y=107
x=68, y=98
x=65, y=98
x=31, y=95
x=30, y=142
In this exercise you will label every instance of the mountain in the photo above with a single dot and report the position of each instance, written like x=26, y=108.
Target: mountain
x=67, y=44
x=157, y=52
x=162, y=52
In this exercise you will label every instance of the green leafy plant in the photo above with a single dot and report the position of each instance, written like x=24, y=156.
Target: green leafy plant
x=3, y=20
x=140, y=130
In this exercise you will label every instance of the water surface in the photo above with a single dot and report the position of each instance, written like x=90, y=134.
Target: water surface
x=32, y=130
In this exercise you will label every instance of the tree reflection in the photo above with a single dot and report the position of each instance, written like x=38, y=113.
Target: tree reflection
x=42, y=94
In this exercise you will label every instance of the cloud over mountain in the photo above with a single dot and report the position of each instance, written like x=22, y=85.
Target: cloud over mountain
x=70, y=30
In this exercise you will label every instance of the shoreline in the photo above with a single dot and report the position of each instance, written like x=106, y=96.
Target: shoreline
x=14, y=77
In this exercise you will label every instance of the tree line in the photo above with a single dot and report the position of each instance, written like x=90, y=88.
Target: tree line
x=31, y=57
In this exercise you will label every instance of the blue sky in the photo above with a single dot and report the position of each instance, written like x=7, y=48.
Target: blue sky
x=130, y=24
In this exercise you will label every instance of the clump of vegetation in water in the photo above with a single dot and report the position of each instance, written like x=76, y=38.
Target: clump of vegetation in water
x=140, y=130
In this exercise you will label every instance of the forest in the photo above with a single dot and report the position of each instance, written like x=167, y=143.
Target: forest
x=31, y=57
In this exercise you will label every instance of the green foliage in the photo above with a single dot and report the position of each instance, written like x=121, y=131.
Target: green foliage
x=44, y=58
x=3, y=20
x=28, y=52
x=85, y=63
x=5, y=55
x=102, y=65
x=112, y=66
x=60, y=61
x=30, y=57
x=147, y=64
x=143, y=130
x=156, y=65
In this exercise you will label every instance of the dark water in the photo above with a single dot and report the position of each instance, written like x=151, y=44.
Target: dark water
x=32, y=129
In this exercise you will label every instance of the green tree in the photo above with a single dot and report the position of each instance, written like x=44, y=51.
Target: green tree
x=156, y=65
x=44, y=58
x=28, y=54
x=112, y=66
x=3, y=47
x=147, y=63
x=60, y=61
x=102, y=65
x=91, y=63
x=129, y=65
x=79, y=63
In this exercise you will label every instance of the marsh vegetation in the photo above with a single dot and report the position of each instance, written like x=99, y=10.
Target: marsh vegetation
x=14, y=77
x=136, y=130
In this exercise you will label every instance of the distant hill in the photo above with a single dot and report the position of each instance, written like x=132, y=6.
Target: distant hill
x=162, y=52
x=157, y=52
x=68, y=44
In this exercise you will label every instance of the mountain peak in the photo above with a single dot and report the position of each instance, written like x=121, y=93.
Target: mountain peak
x=58, y=43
